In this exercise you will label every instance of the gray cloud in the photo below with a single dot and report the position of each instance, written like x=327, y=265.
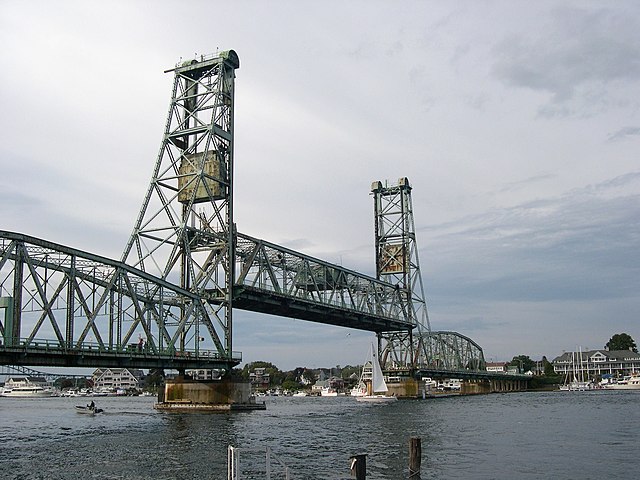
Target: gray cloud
x=533, y=222
x=576, y=58
x=526, y=182
x=582, y=245
x=623, y=133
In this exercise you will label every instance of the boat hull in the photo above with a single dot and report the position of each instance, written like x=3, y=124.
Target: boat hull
x=87, y=410
x=328, y=393
x=623, y=387
x=376, y=399
x=25, y=393
x=631, y=382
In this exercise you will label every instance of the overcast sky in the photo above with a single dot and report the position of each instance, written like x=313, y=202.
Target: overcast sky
x=516, y=122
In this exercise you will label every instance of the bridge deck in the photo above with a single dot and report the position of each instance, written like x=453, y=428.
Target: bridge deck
x=46, y=354
x=263, y=301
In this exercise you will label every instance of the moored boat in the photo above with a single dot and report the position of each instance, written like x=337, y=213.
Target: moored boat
x=24, y=388
x=575, y=381
x=328, y=392
x=631, y=382
x=360, y=390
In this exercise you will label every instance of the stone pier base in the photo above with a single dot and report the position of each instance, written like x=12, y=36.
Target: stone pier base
x=407, y=388
x=187, y=395
x=411, y=388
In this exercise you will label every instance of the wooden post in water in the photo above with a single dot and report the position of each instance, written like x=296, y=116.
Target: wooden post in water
x=359, y=466
x=415, y=457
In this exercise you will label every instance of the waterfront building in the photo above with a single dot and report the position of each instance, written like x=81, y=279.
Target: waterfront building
x=497, y=367
x=596, y=363
x=112, y=379
x=317, y=387
x=260, y=379
x=332, y=383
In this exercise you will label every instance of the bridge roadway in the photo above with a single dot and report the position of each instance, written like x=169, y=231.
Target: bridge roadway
x=60, y=306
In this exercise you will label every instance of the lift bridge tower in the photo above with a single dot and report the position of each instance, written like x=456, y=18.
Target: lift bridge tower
x=397, y=263
x=184, y=231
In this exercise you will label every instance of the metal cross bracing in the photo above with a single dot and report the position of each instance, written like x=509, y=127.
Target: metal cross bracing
x=14, y=370
x=64, y=307
x=184, y=231
x=397, y=262
x=275, y=280
x=452, y=351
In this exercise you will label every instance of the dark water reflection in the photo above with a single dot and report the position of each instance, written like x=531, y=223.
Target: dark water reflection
x=560, y=435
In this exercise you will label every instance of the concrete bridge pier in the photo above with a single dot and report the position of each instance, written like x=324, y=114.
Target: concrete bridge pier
x=407, y=388
x=412, y=388
x=475, y=387
x=185, y=394
x=507, y=385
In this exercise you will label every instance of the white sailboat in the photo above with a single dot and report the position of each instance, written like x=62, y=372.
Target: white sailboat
x=374, y=380
x=578, y=382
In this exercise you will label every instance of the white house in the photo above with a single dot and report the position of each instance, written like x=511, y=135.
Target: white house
x=113, y=379
x=497, y=367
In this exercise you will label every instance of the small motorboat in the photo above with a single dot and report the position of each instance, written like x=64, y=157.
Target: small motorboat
x=88, y=409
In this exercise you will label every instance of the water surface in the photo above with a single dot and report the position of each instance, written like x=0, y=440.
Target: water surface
x=560, y=435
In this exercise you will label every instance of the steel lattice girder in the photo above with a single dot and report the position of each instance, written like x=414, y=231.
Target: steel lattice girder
x=184, y=231
x=273, y=279
x=71, y=300
x=451, y=351
x=397, y=262
x=61, y=301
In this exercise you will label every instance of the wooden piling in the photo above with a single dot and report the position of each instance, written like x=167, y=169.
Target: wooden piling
x=415, y=457
x=359, y=466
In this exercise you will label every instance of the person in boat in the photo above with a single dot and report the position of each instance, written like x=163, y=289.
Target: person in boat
x=92, y=405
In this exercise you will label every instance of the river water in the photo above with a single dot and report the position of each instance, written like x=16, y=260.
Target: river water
x=532, y=435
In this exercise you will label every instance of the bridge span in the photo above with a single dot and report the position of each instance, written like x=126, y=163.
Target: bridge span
x=168, y=302
x=60, y=306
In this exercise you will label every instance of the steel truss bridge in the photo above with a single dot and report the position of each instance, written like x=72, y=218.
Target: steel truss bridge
x=64, y=307
x=13, y=370
x=168, y=302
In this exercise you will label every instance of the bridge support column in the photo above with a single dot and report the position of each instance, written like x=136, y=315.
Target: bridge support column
x=407, y=388
x=6, y=304
x=475, y=387
x=499, y=385
x=185, y=394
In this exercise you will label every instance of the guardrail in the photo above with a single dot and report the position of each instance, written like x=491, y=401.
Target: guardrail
x=234, y=467
x=91, y=354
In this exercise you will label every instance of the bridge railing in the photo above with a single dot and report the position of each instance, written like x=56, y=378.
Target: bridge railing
x=132, y=349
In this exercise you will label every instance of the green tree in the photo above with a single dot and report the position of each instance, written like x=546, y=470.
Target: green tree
x=621, y=341
x=291, y=385
x=154, y=379
x=309, y=376
x=548, y=367
x=523, y=362
x=275, y=375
